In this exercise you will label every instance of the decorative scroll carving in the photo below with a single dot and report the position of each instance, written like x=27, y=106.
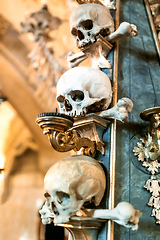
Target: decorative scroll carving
x=64, y=142
x=153, y=185
x=47, y=69
x=64, y=136
x=148, y=152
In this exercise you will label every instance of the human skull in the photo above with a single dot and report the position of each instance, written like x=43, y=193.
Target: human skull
x=72, y=182
x=89, y=20
x=83, y=90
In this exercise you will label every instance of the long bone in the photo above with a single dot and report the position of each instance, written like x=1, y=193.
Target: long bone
x=95, y=51
x=120, y=111
x=124, y=214
x=74, y=59
x=125, y=29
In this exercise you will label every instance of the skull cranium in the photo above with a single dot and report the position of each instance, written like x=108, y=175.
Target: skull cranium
x=72, y=182
x=83, y=90
x=89, y=20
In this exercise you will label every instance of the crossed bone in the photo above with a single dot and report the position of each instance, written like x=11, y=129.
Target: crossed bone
x=125, y=29
x=124, y=214
x=120, y=111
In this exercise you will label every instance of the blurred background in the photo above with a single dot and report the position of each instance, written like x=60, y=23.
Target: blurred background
x=35, y=39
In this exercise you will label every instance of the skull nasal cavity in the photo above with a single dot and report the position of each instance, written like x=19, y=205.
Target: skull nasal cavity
x=54, y=208
x=68, y=106
x=80, y=35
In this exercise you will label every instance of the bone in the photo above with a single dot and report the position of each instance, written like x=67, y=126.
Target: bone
x=69, y=183
x=74, y=59
x=125, y=29
x=77, y=91
x=124, y=214
x=120, y=111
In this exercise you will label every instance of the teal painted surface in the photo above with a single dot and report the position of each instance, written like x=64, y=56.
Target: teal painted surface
x=139, y=79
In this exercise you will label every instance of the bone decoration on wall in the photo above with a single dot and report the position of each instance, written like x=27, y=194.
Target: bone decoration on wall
x=44, y=68
x=76, y=186
x=92, y=27
x=83, y=90
x=40, y=24
x=84, y=183
x=148, y=152
x=85, y=94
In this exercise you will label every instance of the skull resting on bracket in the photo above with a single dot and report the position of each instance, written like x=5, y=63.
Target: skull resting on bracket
x=89, y=20
x=83, y=90
x=71, y=183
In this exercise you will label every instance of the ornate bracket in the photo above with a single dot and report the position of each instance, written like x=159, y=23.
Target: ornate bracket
x=80, y=134
x=148, y=152
x=83, y=227
x=153, y=146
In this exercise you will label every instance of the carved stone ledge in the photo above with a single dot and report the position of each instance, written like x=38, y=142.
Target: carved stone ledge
x=92, y=127
x=84, y=135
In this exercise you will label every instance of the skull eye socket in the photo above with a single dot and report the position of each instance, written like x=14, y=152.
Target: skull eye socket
x=77, y=95
x=60, y=99
x=47, y=195
x=87, y=24
x=63, y=198
x=105, y=32
x=74, y=32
